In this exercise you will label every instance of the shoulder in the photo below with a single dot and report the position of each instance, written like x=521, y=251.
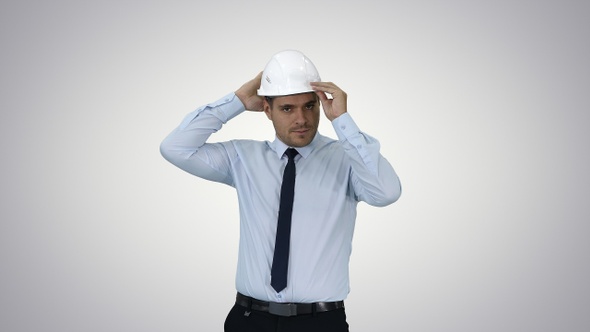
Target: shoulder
x=328, y=142
x=250, y=148
x=329, y=146
x=250, y=143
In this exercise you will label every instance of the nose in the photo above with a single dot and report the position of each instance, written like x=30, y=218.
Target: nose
x=300, y=117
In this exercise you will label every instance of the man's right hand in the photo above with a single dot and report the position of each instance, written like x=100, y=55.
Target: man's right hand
x=248, y=94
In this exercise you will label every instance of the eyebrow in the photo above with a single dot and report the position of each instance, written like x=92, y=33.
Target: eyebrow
x=305, y=104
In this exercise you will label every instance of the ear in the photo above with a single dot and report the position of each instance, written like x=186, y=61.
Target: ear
x=267, y=109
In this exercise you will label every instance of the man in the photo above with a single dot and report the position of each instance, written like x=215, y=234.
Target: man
x=297, y=206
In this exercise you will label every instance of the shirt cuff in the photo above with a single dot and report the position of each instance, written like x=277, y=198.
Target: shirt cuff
x=227, y=107
x=345, y=127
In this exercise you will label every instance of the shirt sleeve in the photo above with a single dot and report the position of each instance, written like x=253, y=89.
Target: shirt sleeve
x=186, y=147
x=373, y=179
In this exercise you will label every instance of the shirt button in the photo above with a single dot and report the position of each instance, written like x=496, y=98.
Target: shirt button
x=343, y=127
x=279, y=296
x=359, y=146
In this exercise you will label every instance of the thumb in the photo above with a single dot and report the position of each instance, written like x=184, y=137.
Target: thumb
x=326, y=102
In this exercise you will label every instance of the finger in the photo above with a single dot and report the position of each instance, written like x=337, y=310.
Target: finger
x=256, y=80
x=325, y=86
x=322, y=95
x=332, y=92
x=324, y=100
x=258, y=77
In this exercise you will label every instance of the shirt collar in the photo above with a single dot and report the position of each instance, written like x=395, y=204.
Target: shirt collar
x=279, y=147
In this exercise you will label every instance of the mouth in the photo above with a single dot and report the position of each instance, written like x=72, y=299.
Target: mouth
x=300, y=131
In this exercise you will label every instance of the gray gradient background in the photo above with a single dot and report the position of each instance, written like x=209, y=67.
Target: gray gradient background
x=481, y=106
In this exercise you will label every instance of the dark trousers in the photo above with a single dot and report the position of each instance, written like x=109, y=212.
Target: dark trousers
x=240, y=319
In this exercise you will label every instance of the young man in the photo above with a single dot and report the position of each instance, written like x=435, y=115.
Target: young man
x=297, y=194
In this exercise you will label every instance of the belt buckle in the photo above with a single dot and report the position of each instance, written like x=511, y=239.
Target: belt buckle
x=282, y=309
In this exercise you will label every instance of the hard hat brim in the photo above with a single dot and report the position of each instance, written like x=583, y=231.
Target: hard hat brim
x=263, y=93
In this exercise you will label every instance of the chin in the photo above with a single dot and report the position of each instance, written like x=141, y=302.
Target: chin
x=301, y=143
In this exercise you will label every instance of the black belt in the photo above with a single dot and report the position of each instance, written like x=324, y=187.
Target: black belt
x=287, y=309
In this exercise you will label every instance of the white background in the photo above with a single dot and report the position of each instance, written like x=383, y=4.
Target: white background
x=481, y=107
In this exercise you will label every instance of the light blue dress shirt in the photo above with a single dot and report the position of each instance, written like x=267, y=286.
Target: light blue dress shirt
x=332, y=177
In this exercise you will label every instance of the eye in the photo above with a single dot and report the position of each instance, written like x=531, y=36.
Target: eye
x=309, y=106
x=286, y=109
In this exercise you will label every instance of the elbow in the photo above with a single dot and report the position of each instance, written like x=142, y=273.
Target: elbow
x=386, y=195
x=165, y=150
x=390, y=195
x=395, y=193
x=171, y=152
x=388, y=188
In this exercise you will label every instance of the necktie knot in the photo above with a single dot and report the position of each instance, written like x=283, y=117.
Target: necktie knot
x=291, y=153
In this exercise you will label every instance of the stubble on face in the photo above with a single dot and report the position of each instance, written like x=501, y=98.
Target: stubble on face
x=295, y=118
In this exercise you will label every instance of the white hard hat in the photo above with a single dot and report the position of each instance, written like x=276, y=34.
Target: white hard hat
x=287, y=73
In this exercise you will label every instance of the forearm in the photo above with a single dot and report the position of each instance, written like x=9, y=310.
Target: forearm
x=373, y=178
x=186, y=145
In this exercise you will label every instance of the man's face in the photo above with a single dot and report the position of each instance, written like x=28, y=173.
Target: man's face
x=295, y=117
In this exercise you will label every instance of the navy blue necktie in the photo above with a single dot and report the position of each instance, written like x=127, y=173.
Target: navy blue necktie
x=280, y=261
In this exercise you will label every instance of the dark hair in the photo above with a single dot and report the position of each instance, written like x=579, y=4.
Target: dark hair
x=269, y=100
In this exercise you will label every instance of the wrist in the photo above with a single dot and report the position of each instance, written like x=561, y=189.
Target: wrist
x=333, y=117
x=241, y=96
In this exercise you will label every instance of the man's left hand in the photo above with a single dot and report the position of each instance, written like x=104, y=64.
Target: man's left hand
x=335, y=106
